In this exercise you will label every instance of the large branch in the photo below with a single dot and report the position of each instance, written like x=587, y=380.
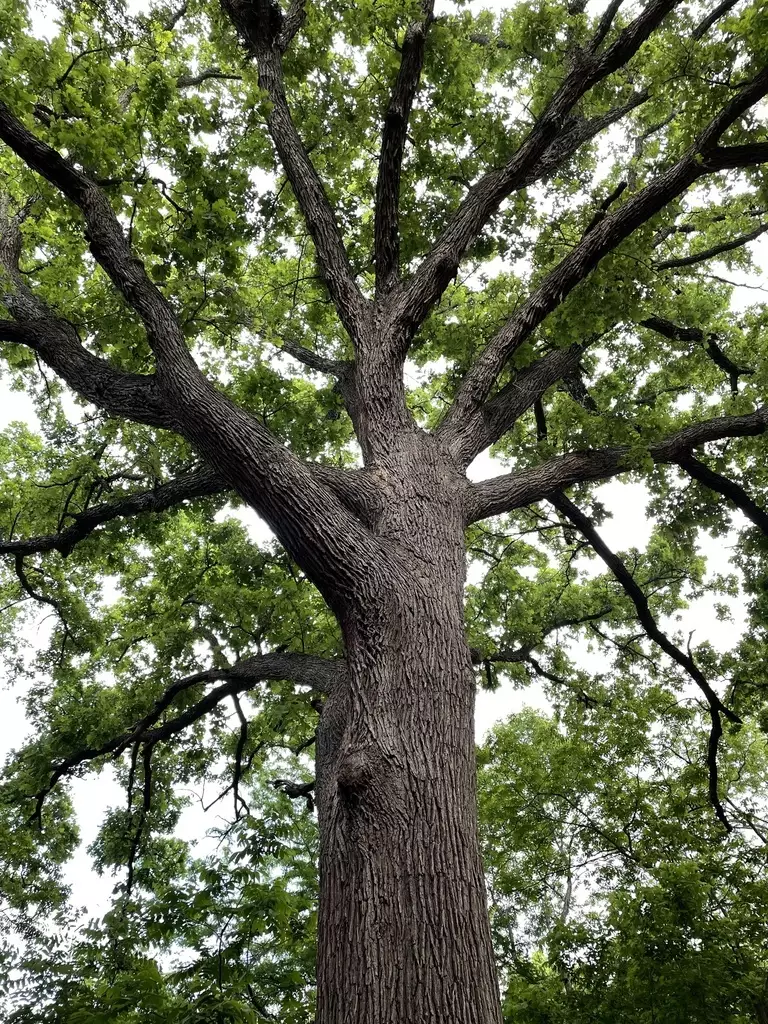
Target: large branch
x=328, y=541
x=411, y=305
x=703, y=157
x=502, y=411
x=515, y=490
x=635, y=593
x=129, y=395
x=556, y=131
x=107, y=240
x=319, y=674
x=318, y=512
x=267, y=34
x=734, y=492
x=386, y=218
x=203, y=483
x=57, y=343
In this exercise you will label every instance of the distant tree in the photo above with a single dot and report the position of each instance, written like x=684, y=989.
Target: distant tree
x=315, y=261
x=613, y=898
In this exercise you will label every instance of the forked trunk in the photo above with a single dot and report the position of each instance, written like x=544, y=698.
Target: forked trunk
x=403, y=927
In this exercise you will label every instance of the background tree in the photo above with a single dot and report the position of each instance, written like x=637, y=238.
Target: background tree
x=522, y=212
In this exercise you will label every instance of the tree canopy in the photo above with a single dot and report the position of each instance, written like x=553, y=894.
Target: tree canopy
x=546, y=206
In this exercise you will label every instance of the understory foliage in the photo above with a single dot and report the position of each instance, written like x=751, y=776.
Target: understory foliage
x=147, y=616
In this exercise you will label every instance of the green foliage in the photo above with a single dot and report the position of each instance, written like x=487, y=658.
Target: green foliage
x=615, y=894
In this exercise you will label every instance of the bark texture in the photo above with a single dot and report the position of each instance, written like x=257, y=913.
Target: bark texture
x=403, y=929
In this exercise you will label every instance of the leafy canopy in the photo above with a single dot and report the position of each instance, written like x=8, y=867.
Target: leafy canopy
x=617, y=893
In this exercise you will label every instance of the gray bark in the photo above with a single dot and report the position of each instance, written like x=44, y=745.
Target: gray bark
x=403, y=926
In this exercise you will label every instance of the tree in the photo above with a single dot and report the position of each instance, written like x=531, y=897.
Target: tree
x=440, y=195
x=613, y=898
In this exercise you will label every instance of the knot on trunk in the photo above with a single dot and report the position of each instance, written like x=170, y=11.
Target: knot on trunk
x=356, y=775
x=259, y=22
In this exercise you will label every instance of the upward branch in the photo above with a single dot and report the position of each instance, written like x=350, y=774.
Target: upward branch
x=326, y=539
x=703, y=157
x=267, y=33
x=57, y=343
x=386, y=227
x=553, y=138
x=107, y=240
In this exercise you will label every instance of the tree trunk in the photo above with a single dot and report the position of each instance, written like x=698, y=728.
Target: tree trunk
x=403, y=925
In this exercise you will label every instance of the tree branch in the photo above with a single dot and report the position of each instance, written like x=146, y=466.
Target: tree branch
x=296, y=790
x=515, y=490
x=386, y=217
x=319, y=674
x=528, y=164
x=635, y=593
x=57, y=343
x=706, y=23
x=315, y=527
x=267, y=33
x=715, y=250
x=313, y=360
x=107, y=240
x=605, y=24
x=515, y=655
x=439, y=267
x=207, y=75
x=126, y=395
x=728, y=158
x=700, y=159
x=734, y=492
x=675, y=332
x=356, y=489
x=500, y=413
x=202, y=483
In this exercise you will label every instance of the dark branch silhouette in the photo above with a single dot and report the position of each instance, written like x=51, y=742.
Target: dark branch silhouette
x=635, y=593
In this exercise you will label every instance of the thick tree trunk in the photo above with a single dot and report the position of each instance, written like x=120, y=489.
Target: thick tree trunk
x=403, y=928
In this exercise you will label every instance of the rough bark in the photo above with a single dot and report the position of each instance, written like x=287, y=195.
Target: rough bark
x=403, y=927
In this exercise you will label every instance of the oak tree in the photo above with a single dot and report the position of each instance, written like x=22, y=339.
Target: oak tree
x=314, y=261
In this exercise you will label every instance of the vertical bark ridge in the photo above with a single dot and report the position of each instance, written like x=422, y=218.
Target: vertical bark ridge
x=403, y=920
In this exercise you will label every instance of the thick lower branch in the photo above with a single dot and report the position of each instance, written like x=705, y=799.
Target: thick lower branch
x=131, y=396
x=515, y=490
x=57, y=343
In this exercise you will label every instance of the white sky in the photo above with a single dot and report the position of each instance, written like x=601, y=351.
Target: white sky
x=628, y=527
